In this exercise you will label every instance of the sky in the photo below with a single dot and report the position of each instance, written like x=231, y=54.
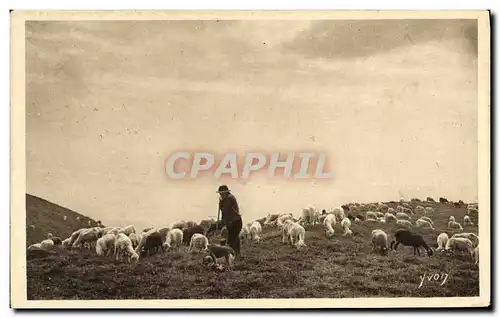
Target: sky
x=393, y=104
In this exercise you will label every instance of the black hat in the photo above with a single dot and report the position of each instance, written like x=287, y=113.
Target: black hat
x=223, y=188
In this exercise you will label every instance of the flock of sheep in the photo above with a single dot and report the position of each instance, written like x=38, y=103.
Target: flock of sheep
x=127, y=242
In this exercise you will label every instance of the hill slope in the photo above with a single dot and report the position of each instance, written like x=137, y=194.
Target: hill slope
x=339, y=267
x=48, y=217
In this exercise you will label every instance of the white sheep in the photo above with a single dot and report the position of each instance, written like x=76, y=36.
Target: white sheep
x=455, y=225
x=379, y=215
x=424, y=224
x=346, y=225
x=420, y=209
x=127, y=230
x=179, y=225
x=428, y=219
x=309, y=215
x=284, y=230
x=105, y=244
x=123, y=246
x=339, y=214
x=281, y=219
x=379, y=241
x=402, y=216
x=174, y=238
x=47, y=244
x=75, y=235
x=471, y=236
x=254, y=230
x=441, y=241
x=199, y=242
x=467, y=220
x=36, y=246
x=370, y=215
x=245, y=232
x=460, y=244
x=389, y=217
x=404, y=223
x=429, y=210
x=296, y=235
x=87, y=237
x=451, y=219
x=134, y=237
x=329, y=222
x=382, y=207
x=399, y=208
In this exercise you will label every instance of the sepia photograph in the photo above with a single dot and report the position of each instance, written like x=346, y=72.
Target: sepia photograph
x=308, y=159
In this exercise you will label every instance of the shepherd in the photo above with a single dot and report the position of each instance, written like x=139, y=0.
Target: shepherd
x=231, y=217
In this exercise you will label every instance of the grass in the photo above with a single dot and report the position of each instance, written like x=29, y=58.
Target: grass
x=340, y=267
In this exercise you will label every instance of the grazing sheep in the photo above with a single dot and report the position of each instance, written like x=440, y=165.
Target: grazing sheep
x=174, y=239
x=471, y=236
x=198, y=241
x=255, y=229
x=419, y=209
x=296, y=235
x=181, y=225
x=66, y=243
x=127, y=230
x=288, y=216
x=443, y=200
x=429, y=210
x=455, y=226
x=428, y=219
x=467, y=220
x=424, y=224
x=346, y=225
x=190, y=231
x=88, y=236
x=36, y=246
x=123, y=246
x=409, y=238
x=382, y=207
x=329, y=222
x=153, y=244
x=105, y=245
x=402, y=216
x=404, y=223
x=270, y=218
x=371, y=215
x=284, y=230
x=219, y=251
x=476, y=255
x=379, y=241
x=75, y=235
x=389, y=217
x=460, y=244
x=471, y=211
x=143, y=238
x=441, y=240
x=47, y=244
x=134, y=238
x=339, y=214
x=309, y=215
x=391, y=211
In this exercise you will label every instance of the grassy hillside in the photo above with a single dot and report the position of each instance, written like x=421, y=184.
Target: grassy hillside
x=48, y=217
x=327, y=268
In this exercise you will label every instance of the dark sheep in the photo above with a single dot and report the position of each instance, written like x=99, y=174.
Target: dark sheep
x=456, y=204
x=214, y=227
x=153, y=244
x=351, y=217
x=416, y=200
x=409, y=238
x=189, y=232
x=359, y=216
x=147, y=229
x=56, y=240
x=429, y=199
x=219, y=251
x=461, y=202
x=443, y=200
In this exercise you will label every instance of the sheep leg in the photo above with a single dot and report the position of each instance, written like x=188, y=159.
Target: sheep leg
x=396, y=246
x=418, y=250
